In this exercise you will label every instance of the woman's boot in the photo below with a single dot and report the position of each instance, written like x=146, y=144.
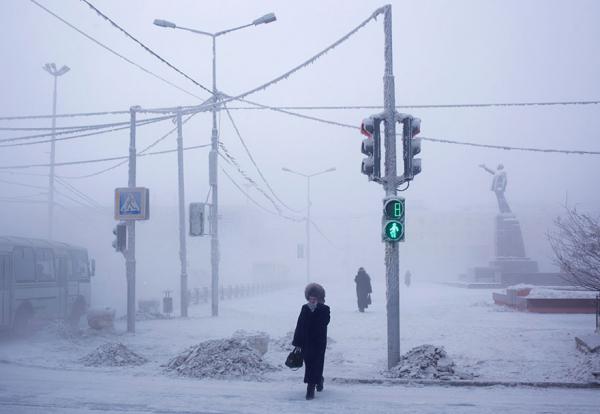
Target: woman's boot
x=310, y=391
x=320, y=385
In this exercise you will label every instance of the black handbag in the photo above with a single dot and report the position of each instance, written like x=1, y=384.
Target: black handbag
x=294, y=359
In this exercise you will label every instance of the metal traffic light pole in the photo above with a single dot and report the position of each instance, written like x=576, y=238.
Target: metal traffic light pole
x=392, y=257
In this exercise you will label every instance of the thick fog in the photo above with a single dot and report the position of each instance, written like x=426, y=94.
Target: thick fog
x=460, y=52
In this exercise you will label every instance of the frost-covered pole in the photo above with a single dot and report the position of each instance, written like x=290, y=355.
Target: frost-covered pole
x=182, y=246
x=52, y=70
x=308, y=229
x=214, y=210
x=130, y=258
x=392, y=258
x=52, y=160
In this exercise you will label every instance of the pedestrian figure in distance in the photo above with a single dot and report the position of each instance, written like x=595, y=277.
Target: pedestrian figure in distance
x=310, y=337
x=363, y=289
x=407, y=277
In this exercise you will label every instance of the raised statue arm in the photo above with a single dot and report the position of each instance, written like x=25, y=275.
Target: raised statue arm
x=487, y=169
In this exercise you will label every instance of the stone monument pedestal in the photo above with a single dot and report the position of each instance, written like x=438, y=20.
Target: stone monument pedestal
x=511, y=263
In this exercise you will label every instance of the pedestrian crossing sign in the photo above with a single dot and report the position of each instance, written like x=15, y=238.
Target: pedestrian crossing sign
x=132, y=203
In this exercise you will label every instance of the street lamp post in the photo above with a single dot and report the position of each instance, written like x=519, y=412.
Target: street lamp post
x=308, y=204
x=52, y=70
x=213, y=155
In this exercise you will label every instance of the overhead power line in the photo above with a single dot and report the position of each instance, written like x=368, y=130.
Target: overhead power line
x=511, y=148
x=239, y=135
x=72, y=115
x=256, y=203
x=104, y=131
x=86, y=128
x=114, y=52
x=423, y=106
x=144, y=150
x=287, y=74
x=96, y=160
x=146, y=48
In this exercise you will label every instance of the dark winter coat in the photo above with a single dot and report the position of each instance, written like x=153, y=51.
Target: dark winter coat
x=311, y=336
x=363, y=288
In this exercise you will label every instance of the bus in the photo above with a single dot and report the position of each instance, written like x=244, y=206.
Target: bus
x=42, y=280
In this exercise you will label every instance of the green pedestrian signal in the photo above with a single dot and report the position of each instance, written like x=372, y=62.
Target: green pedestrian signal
x=393, y=219
x=394, y=230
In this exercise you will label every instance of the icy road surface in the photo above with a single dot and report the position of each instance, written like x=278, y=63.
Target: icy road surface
x=38, y=390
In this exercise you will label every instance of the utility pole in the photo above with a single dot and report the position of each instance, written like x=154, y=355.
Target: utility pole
x=392, y=256
x=213, y=180
x=308, y=205
x=308, y=229
x=182, y=234
x=130, y=252
x=214, y=150
x=52, y=70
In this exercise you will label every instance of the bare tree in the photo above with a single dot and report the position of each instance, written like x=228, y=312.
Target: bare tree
x=576, y=245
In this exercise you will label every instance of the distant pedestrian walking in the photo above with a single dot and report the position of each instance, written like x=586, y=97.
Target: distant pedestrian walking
x=407, y=277
x=310, y=337
x=363, y=289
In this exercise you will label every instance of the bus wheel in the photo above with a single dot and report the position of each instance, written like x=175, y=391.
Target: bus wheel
x=22, y=323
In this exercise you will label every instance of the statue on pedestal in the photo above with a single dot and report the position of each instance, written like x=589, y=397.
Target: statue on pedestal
x=499, y=186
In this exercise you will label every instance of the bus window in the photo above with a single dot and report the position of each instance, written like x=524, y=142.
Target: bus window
x=24, y=264
x=44, y=264
x=79, y=261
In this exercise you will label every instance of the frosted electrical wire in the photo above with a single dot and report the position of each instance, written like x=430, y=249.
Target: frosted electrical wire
x=86, y=128
x=287, y=74
x=323, y=235
x=257, y=203
x=69, y=187
x=445, y=141
x=39, y=187
x=511, y=148
x=153, y=144
x=96, y=160
x=233, y=162
x=239, y=135
x=114, y=52
x=73, y=115
x=146, y=48
x=424, y=106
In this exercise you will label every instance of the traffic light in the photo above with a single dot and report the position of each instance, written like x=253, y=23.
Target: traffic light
x=371, y=146
x=393, y=219
x=196, y=219
x=411, y=146
x=120, y=232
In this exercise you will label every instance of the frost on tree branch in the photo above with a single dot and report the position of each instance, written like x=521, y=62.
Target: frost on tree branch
x=576, y=244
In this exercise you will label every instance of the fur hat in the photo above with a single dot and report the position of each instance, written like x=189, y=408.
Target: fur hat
x=316, y=290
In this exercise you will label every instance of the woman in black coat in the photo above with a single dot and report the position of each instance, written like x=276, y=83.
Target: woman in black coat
x=310, y=337
x=363, y=289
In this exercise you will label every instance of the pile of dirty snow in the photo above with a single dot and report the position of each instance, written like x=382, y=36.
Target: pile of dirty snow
x=220, y=358
x=257, y=340
x=284, y=343
x=112, y=354
x=426, y=362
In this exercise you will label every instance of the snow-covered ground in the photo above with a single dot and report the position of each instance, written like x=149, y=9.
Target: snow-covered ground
x=489, y=341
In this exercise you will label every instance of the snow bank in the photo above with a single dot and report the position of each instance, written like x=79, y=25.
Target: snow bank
x=221, y=359
x=426, y=362
x=258, y=340
x=112, y=354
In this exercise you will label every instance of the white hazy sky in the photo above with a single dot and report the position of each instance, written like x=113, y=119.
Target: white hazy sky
x=444, y=52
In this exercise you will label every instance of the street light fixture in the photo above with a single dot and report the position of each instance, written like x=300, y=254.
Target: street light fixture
x=213, y=155
x=308, y=204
